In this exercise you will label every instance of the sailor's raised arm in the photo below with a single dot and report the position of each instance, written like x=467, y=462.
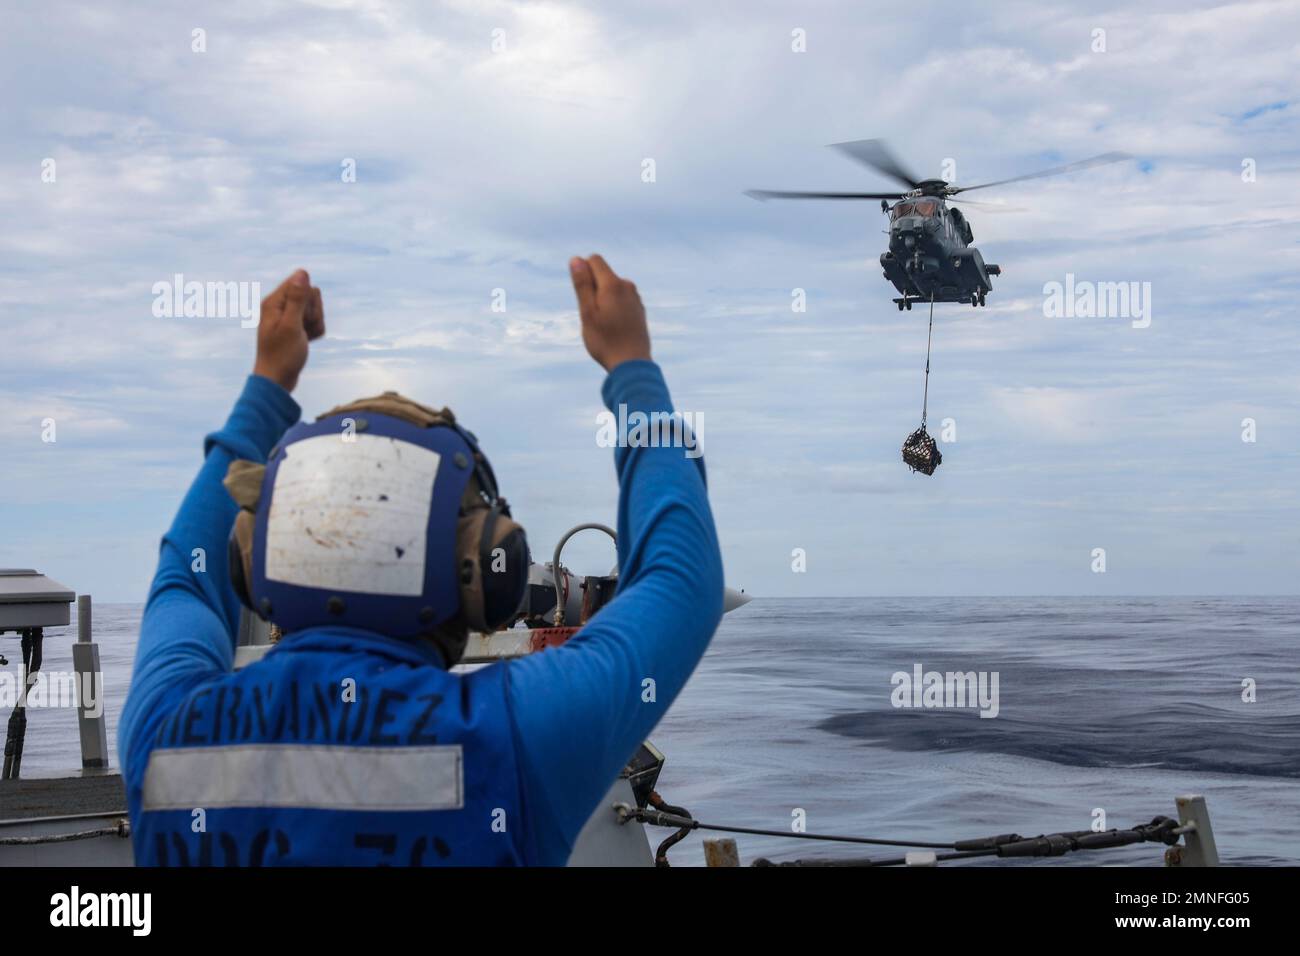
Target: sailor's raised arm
x=192, y=615
x=581, y=710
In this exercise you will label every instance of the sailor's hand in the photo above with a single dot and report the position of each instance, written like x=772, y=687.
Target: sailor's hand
x=292, y=316
x=613, y=318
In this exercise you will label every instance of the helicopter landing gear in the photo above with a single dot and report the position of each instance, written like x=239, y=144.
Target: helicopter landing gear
x=904, y=303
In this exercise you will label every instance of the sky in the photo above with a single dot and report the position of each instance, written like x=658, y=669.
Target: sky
x=492, y=140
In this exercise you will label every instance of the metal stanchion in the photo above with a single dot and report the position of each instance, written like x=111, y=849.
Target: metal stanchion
x=90, y=691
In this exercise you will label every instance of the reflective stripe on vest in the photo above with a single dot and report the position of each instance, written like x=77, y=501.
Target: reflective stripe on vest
x=311, y=777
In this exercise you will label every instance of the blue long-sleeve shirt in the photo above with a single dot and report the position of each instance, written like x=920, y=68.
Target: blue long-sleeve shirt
x=575, y=713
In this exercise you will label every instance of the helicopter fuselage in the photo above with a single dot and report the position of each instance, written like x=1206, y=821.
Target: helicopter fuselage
x=931, y=254
x=931, y=251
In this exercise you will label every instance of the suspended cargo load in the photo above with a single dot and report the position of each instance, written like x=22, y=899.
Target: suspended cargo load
x=921, y=452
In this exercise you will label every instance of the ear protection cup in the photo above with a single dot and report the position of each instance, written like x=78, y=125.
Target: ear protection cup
x=491, y=548
x=243, y=482
x=507, y=586
x=239, y=556
x=493, y=556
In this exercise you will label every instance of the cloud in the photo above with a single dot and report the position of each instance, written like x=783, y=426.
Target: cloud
x=1059, y=414
x=480, y=170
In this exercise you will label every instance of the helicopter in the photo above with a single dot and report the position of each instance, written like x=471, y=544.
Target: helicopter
x=931, y=256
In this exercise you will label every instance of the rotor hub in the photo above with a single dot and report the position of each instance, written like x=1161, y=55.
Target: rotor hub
x=930, y=187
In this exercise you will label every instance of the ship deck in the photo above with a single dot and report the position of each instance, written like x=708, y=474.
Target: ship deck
x=38, y=797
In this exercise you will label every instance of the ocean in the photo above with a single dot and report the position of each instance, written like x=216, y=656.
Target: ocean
x=1107, y=706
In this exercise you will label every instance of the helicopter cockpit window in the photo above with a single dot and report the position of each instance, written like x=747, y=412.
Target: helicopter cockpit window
x=922, y=207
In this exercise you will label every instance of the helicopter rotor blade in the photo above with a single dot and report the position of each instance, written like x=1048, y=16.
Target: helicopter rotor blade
x=876, y=155
x=989, y=206
x=1091, y=161
x=762, y=195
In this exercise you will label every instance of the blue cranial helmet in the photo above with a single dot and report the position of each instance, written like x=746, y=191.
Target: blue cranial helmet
x=381, y=515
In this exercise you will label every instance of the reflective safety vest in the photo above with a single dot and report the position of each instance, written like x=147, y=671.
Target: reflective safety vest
x=339, y=747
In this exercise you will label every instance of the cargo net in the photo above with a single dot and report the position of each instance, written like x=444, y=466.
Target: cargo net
x=921, y=452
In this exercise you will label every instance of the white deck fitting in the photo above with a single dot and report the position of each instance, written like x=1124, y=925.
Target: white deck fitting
x=30, y=599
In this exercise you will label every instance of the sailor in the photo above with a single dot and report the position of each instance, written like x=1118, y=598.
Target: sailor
x=375, y=538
